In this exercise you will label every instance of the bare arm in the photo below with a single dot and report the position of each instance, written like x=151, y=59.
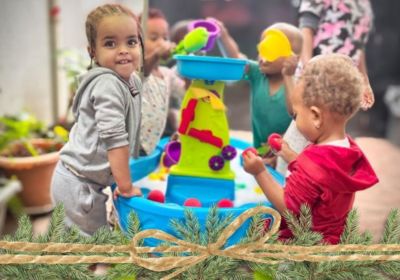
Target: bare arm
x=119, y=163
x=289, y=87
x=230, y=45
x=368, y=98
x=287, y=153
x=288, y=70
x=273, y=191
x=228, y=42
x=307, y=48
x=151, y=60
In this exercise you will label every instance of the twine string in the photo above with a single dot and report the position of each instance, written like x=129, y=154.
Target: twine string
x=190, y=254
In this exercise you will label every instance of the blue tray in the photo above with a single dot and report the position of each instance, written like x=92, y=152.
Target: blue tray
x=210, y=68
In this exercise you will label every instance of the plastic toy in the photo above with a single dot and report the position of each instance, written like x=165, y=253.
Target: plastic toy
x=187, y=116
x=210, y=68
x=161, y=174
x=211, y=27
x=225, y=203
x=156, y=195
x=274, y=45
x=275, y=141
x=250, y=150
x=172, y=153
x=195, y=40
x=205, y=136
x=192, y=202
x=228, y=152
x=200, y=166
x=216, y=163
x=267, y=224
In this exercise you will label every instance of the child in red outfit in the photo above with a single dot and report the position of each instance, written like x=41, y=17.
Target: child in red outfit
x=326, y=175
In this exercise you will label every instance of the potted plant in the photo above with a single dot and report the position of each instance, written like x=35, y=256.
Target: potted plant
x=29, y=151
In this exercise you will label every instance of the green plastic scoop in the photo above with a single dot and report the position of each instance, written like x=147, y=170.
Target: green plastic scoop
x=193, y=41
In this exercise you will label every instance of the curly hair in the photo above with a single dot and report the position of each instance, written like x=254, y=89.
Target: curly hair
x=333, y=81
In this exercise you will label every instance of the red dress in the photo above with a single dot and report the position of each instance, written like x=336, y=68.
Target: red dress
x=326, y=178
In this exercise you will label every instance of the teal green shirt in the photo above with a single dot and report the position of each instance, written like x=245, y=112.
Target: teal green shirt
x=268, y=113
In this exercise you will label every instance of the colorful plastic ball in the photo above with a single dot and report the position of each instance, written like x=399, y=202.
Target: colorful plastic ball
x=225, y=203
x=228, y=152
x=250, y=150
x=275, y=141
x=216, y=163
x=192, y=202
x=157, y=196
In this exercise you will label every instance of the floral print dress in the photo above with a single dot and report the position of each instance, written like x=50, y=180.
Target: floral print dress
x=343, y=27
x=158, y=93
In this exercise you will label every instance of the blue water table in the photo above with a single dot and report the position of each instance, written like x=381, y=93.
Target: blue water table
x=202, y=168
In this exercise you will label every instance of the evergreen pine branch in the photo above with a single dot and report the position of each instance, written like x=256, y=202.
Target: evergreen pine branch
x=301, y=228
x=215, y=223
x=351, y=232
x=193, y=226
x=189, y=228
x=24, y=231
x=391, y=233
x=124, y=271
x=214, y=267
x=389, y=269
x=56, y=229
x=211, y=222
x=263, y=271
x=255, y=230
x=133, y=225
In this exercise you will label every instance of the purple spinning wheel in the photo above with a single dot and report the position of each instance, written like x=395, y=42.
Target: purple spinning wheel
x=228, y=152
x=216, y=163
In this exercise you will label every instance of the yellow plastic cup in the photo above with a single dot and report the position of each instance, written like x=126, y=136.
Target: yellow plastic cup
x=274, y=45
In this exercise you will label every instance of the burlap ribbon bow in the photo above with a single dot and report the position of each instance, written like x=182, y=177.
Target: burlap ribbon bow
x=195, y=253
x=257, y=251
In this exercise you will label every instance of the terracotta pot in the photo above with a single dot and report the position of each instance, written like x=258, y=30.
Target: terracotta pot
x=35, y=175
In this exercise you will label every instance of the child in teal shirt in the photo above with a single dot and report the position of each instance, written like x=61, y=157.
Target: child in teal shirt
x=267, y=106
x=268, y=100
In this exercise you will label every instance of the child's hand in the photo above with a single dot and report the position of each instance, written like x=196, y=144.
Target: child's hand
x=223, y=30
x=286, y=152
x=253, y=164
x=133, y=191
x=367, y=99
x=165, y=49
x=271, y=160
x=290, y=65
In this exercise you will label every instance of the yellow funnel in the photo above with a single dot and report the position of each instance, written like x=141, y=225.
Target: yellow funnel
x=274, y=45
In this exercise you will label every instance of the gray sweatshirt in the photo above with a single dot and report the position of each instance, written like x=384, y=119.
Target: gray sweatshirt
x=107, y=115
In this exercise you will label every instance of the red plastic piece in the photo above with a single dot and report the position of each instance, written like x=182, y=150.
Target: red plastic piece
x=225, y=203
x=157, y=196
x=187, y=116
x=250, y=150
x=275, y=141
x=267, y=224
x=192, y=202
x=206, y=136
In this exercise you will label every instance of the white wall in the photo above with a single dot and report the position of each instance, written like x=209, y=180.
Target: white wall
x=24, y=58
x=25, y=78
